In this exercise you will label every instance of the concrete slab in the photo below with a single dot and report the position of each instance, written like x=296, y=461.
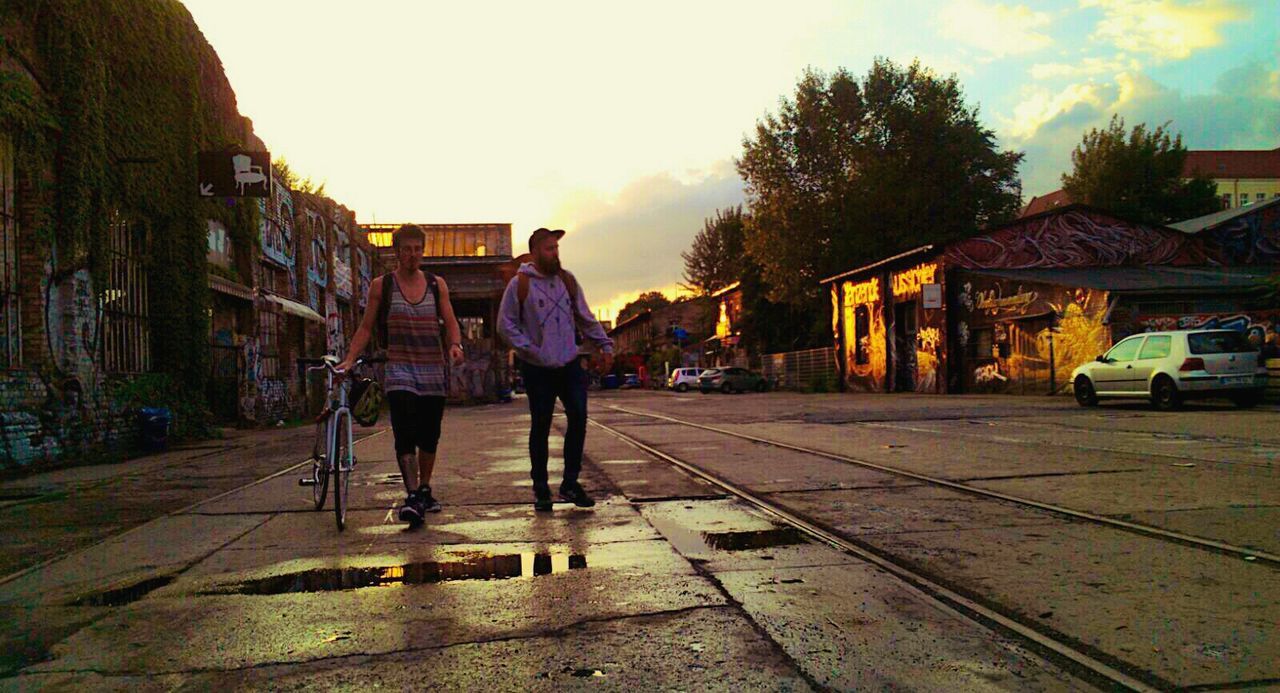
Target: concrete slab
x=854, y=628
x=711, y=648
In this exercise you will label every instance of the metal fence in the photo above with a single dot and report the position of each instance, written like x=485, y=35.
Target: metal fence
x=799, y=370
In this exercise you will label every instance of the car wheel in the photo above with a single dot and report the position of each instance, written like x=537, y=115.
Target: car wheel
x=1085, y=394
x=1164, y=394
x=761, y=386
x=682, y=387
x=727, y=388
x=1248, y=400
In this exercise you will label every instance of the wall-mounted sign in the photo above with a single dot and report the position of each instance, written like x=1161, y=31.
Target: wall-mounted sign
x=907, y=283
x=234, y=174
x=932, y=295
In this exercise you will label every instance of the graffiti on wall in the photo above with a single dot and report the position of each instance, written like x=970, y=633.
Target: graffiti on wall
x=1248, y=239
x=908, y=283
x=334, y=339
x=863, y=345
x=988, y=374
x=251, y=384
x=1260, y=326
x=71, y=323
x=1077, y=238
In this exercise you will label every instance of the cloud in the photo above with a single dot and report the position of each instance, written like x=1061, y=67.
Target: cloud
x=995, y=29
x=1087, y=67
x=1240, y=112
x=621, y=245
x=1040, y=106
x=1163, y=29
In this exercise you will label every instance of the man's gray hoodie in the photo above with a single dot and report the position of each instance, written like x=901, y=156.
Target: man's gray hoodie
x=544, y=334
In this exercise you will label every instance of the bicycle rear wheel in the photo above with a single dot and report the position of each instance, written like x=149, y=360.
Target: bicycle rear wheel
x=343, y=461
x=320, y=464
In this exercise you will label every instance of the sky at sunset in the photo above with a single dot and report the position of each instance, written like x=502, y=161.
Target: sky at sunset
x=620, y=122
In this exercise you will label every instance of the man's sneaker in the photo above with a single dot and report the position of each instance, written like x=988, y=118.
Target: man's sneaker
x=542, y=499
x=411, y=511
x=429, y=502
x=577, y=495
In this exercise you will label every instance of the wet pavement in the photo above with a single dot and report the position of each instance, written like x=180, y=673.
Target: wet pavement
x=666, y=583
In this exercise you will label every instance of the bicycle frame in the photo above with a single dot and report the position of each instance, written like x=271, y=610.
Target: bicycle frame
x=336, y=420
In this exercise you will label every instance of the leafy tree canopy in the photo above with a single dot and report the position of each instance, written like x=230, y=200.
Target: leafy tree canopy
x=717, y=257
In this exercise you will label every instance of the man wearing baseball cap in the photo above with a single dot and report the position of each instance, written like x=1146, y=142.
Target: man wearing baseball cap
x=545, y=317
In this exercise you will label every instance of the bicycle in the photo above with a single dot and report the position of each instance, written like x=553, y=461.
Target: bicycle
x=333, y=454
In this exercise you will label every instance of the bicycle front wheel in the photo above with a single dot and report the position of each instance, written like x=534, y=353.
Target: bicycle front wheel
x=343, y=461
x=320, y=464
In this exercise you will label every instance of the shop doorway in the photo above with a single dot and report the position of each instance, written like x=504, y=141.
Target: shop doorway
x=904, y=346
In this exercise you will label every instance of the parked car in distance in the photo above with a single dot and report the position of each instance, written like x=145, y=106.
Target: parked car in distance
x=1171, y=367
x=684, y=378
x=731, y=379
x=631, y=380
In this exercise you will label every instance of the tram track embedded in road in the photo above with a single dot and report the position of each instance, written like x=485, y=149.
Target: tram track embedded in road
x=1219, y=547
x=1052, y=645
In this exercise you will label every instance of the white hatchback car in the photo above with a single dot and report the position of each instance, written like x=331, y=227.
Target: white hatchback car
x=684, y=378
x=1169, y=367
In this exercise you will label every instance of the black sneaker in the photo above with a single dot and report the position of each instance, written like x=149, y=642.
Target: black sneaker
x=411, y=511
x=429, y=504
x=542, y=499
x=577, y=495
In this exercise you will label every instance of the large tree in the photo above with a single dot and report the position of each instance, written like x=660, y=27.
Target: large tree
x=1137, y=174
x=716, y=258
x=649, y=300
x=851, y=170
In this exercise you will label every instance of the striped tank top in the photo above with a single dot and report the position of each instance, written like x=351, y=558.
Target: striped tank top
x=415, y=356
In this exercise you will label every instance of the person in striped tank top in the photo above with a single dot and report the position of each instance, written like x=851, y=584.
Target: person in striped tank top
x=414, y=324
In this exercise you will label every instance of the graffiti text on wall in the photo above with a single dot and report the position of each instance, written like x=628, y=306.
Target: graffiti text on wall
x=989, y=373
x=862, y=292
x=907, y=283
x=1259, y=329
x=992, y=300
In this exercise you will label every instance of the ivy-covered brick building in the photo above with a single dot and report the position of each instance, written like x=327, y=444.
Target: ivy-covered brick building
x=120, y=286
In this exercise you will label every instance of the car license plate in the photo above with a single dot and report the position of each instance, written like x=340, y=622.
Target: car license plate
x=1237, y=380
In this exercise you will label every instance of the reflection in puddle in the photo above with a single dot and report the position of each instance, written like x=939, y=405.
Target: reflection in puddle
x=124, y=595
x=519, y=565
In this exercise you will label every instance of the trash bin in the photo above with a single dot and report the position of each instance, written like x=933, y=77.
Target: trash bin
x=154, y=424
x=609, y=382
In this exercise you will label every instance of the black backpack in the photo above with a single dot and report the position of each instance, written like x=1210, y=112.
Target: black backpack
x=389, y=284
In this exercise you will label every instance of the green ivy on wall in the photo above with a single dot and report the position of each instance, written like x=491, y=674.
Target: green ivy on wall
x=136, y=92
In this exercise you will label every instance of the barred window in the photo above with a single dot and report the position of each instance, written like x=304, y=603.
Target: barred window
x=10, y=316
x=270, y=325
x=126, y=334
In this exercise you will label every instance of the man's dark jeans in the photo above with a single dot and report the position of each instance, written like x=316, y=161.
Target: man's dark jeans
x=544, y=386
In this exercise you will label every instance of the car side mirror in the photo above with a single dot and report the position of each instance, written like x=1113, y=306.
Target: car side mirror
x=1102, y=359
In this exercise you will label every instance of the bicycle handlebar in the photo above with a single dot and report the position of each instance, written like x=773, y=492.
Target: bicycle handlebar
x=330, y=363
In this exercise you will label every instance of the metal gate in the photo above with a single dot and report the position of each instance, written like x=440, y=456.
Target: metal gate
x=226, y=365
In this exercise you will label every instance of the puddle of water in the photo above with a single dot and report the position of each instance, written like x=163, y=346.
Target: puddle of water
x=518, y=565
x=124, y=595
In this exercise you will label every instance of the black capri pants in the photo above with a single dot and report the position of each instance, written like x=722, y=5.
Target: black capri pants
x=415, y=421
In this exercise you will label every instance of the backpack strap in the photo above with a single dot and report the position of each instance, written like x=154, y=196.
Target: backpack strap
x=384, y=306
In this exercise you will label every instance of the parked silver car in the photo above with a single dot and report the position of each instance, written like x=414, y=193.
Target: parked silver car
x=731, y=379
x=1170, y=367
x=684, y=378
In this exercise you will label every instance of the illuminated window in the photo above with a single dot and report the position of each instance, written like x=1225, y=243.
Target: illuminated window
x=472, y=328
x=126, y=333
x=481, y=250
x=10, y=322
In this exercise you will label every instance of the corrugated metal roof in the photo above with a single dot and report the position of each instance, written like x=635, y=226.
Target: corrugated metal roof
x=1209, y=221
x=1143, y=279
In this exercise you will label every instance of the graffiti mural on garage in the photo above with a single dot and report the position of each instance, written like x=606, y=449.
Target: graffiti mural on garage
x=1248, y=239
x=864, y=354
x=1261, y=327
x=1076, y=239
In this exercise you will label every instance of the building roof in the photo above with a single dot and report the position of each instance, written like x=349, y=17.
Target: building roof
x=1209, y=221
x=1150, y=279
x=726, y=290
x=1046, y=202
x=1233, y=163
x=910, y=254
